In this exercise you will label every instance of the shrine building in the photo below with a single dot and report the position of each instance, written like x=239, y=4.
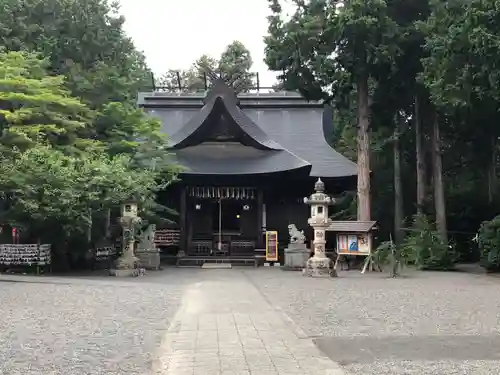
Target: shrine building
x=248, y=160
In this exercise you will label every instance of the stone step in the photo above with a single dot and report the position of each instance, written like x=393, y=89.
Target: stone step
x=200, y=261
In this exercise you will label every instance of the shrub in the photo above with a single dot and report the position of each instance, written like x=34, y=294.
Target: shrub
x=425, y=248
x=489, y=244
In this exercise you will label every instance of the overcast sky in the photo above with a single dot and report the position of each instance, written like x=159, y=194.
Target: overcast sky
x=174, y=33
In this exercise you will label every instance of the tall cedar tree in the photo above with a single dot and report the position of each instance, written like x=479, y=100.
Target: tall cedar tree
x=326, y=48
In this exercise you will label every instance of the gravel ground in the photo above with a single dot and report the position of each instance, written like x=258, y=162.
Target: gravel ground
x=464, y=367
x=71, y=326
x=424, y=303
x=418, y=306
x=102, y=325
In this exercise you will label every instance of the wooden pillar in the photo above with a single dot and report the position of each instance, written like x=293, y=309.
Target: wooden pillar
x=260, y=218
x=182, y=221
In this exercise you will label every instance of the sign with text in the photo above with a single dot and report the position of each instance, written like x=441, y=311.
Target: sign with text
x=354, y=244
x=272, y=246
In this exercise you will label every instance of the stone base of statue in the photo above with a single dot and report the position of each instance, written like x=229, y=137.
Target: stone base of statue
x=149, y=259
x=127, y=266
x=317, y=266
x=296, y=255
x=124, y=272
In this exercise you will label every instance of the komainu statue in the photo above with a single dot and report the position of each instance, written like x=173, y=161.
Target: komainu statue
x=296, y=236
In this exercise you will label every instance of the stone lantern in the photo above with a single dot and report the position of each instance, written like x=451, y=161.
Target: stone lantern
x=127, y=264
x=319, y=265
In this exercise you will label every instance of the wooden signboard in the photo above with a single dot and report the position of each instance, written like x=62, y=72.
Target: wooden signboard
x=272, y=246
x=354, y=244
x=167, y=237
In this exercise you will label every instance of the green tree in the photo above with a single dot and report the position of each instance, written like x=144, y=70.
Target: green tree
x=84, y=41
x=55, y=196
x=37, y=107
x=233, y=66
x=461, y=73
x=325, y=49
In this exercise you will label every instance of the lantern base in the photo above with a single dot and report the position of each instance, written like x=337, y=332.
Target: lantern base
x=320, y=267
x=149, y=259
x=127, y=266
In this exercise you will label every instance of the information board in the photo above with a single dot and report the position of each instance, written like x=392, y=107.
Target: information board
x=272, y=246
x=354, y=244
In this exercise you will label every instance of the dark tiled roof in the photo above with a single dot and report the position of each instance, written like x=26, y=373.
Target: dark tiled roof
x=202, y=118
x=302, y=131
x=230, y=158
x=273, y=121
x=351, y=226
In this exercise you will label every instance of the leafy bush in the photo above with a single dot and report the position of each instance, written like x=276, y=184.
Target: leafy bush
x=425, y=248
x=387, y=254
x=489, y=244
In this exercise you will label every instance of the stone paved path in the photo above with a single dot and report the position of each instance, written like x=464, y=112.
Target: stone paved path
x=229, y=328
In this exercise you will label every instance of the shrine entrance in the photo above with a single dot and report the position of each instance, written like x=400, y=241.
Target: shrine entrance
x=222, y=221
x=226, y=216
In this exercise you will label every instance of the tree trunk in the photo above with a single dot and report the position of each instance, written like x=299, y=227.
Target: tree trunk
x=89, y=228
x=439, y=201
x=398, y=186
x=107, y=230
x=364, y=204
x=492, y=171
x=421, y=183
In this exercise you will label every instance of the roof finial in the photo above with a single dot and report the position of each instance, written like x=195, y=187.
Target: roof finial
x=319, y=186
x=220, y=88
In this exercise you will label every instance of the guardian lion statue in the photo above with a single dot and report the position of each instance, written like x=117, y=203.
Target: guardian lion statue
x=296, y=236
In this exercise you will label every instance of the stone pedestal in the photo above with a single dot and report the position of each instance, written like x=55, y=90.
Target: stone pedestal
x=149, y=259
x=146, y=251
x=296, y=256
x=320, y=267
x=129, y=272
x=127, y=264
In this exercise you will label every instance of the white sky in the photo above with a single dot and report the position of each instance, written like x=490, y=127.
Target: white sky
x=174, y=33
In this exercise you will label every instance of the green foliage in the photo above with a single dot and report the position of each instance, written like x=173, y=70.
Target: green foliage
x=464, y=50
x=489, y=244
x=327, y=46
x=444, y=52
x=424, y=247
x=84, y=41
x=388, y=253
x=382, y=253
x=35, y=106
x=233, y=66
x=45, y=188
x=63, y=165
x=345, y=207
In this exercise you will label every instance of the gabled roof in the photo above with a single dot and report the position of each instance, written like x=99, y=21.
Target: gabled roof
x=222, y=139
x=215, y=110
